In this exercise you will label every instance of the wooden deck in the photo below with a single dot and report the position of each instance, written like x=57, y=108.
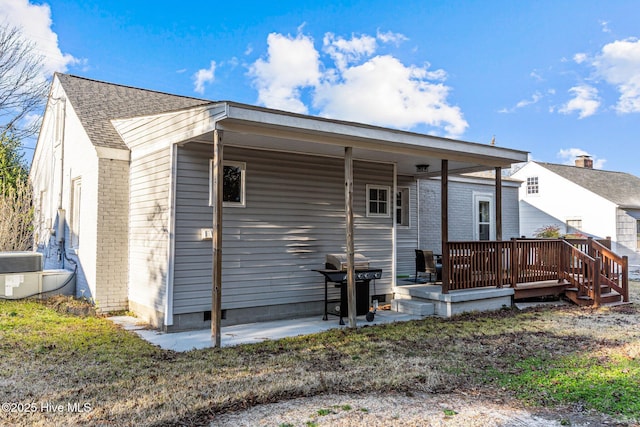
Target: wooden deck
x=584, y=270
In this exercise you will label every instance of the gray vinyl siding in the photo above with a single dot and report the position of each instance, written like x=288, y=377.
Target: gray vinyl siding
x=461, y=221
x=148, y=224
x=407, y=237
x=294, y=216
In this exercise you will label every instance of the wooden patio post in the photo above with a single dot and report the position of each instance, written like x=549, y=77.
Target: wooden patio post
x=499, y=204
x=348, y=209
x=444, y=223
x=216, y=278
x=498, y=265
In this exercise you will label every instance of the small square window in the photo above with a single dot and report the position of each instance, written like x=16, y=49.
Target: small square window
x=233, y=187
x=532, y=185
x=378, y=201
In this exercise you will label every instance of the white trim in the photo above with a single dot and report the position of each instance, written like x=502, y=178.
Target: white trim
x=394, y=230
x=168, y=309
x=484, y=197
x=243, y=188
x=113, y=153
x=390, y=201
x=406, y=210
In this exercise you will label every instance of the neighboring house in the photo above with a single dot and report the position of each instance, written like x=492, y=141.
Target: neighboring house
x=581, y=200
x=123, y=187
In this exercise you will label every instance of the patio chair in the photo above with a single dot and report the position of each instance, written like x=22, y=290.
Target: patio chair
x=425, y=263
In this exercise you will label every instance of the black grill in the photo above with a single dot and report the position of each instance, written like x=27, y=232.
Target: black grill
x=335, y=272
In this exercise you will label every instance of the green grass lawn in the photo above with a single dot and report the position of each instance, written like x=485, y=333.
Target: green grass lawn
x=548, y=357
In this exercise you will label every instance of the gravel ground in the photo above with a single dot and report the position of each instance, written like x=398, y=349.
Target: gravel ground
x=422, y=410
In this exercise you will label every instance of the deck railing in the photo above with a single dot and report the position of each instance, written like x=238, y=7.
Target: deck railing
x=507, y=263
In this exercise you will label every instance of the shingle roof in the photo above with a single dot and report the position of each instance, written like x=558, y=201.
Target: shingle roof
x=620, y=188
x=96, y=103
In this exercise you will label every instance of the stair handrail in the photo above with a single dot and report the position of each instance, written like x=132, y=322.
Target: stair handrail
x=579, y=269
x=614, y=269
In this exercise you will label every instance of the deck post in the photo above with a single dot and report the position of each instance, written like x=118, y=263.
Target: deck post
x=498, y=171
x=625, y=278
x=596, y=282
x=444, y=223
x=216, y=279
x=348, y=209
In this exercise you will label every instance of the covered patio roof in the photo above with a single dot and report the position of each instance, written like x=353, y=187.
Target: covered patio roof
x=261, y=128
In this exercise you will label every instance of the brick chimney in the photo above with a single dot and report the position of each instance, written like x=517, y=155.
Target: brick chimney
x=584, y=161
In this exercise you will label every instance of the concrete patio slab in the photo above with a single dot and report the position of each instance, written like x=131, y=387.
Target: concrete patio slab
x=251, y=332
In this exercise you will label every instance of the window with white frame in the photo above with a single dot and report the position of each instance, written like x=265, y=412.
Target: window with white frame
x=233, y=184
x=484, y=217
x=402, y=207
x=378, y=201
x=532, y=185
x=574, y=226
x=74, y=220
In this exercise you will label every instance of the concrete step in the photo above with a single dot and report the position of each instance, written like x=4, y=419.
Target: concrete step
x=418, y=308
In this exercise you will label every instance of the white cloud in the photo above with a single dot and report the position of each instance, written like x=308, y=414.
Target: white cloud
x=619, y=65
x=535, y=98
x=34, y=21
x=361, y=86
x=292, y=63
x=390, y=37
x=204, y=76
x=579, y=58
x=534, y=74
x=385, y=92
x=344, y=52
x=568, y=157
x=605, y=26
x=585, y=101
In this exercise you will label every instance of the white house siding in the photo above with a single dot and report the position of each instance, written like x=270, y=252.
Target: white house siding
x=149, y=185
x=81, y=161
x=407, y=236
x=560, y=200
x=460, y=214
x=294, y=216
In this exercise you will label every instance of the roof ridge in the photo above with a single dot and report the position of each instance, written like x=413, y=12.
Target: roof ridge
x=581, y=168
x=131, y=87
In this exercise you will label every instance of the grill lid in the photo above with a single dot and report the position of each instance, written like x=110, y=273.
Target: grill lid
x=339, y=262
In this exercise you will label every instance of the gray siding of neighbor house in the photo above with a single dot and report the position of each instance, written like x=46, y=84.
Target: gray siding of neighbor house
x=461, y=221
x=294, y=216
x=407, y=237
x=627, y=240
x=149, y=227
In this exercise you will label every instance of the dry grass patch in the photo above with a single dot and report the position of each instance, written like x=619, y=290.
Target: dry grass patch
x=53, y=356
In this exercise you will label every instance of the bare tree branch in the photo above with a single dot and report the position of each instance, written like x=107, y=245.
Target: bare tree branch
x=16, y=211
x=23, y=89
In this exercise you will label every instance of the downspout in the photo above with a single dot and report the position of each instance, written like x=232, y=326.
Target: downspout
x=61, y=213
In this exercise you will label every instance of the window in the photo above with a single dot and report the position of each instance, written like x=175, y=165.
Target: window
x=484, y=217
x=402, y=207
x=233, y=186
x=638, y=234
x=378, y=201
x=484, y=220
x=574, y=226
x=74, y=221
x=532, y=185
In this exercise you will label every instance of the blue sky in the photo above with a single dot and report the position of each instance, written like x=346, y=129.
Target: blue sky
x=555, y=78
